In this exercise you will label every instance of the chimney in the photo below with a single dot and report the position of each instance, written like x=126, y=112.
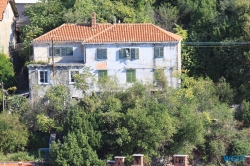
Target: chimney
x=119, y=160
x=138, y=159
x=93, y=21
x=247, y=160
x=180, y=160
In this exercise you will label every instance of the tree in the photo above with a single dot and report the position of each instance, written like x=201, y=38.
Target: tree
x=13, y=134
x=6, y=70
x=75, y=150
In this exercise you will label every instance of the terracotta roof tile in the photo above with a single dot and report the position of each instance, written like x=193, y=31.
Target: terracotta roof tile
x=3, y=5
x=109, y=33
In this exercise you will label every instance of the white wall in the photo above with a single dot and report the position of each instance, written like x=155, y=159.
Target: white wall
x=7, y=30
x=144, y=65
x=41, y=53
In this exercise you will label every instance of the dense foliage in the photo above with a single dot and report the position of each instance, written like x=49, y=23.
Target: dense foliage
x=195, y=119
x=192, y=119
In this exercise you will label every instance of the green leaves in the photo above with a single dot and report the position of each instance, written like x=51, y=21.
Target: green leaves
x=6, y=70
x=13, y=134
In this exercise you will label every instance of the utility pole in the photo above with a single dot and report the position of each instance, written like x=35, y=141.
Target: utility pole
x=2, y=95
x=52, y=51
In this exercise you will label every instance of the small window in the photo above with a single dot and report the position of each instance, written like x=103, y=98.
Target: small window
x=101, y=53
x=102, y=74
x=72, y=75
x=44, y=77
x=129, y=53
x=131, y=76
x=61, y=51
x=159, y=52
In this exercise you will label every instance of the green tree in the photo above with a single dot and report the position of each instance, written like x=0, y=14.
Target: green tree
x=75, y=150
x=6, y=70
x=13, y=134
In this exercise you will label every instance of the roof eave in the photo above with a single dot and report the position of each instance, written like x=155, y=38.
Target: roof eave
x=14, y=8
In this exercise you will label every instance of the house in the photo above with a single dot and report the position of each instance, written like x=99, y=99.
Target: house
x=8, y=17
x=20, y=4
x=128, y=51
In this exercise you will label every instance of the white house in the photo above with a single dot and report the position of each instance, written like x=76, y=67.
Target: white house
x=129, y=51
x=8, y=17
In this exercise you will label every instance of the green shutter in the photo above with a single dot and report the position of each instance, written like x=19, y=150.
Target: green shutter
x=102, y=74
x=122, y=53
x=101, y=53
x=156, y=52
x=159, y=52
x=136, y=53
x=131, y=76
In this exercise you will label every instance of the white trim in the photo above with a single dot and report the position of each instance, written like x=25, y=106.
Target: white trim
x=69, y=76
x=48, y=77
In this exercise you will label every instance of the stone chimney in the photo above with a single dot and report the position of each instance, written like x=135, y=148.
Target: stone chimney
x=138, y=159
x=247, y=158
x=180, y=160
x=119, y=160
x=93, y=20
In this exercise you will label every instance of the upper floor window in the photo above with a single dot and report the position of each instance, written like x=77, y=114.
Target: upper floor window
x=129, y=53
x=72, y=75
x=101, y=53
x=61, y=51
x=131, y=76
x=43, y=77
x=159, y=52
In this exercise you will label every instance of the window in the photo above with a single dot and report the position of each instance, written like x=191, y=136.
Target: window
x=158, y=75
x=131, y=76
x=101, y=53
x=44, y=77
x=102, y=74
x=61, y=51
x=129, y=53
x=159, y=52
x=72, y=74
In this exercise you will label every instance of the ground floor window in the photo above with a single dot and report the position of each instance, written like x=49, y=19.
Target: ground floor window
x=131, y=76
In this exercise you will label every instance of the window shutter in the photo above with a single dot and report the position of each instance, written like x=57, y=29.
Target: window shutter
x=131, y=75
x=101, y=53
x=161, y=52
x=136, y=53
x=50, y=51
x=122, y=53
x=156, y=52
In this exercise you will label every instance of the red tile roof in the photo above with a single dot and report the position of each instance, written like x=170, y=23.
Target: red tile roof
x=109, y=33
x=3, y=5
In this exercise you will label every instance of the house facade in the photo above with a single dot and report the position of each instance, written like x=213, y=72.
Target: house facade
x=131, y=52
x=8, y=17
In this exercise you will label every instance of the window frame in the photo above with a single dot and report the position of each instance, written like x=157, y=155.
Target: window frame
x=39, y=77
x=130, y=75
x=98, y=53
x=63, y=51
x=102, y=74
x=160, y=52
x=129, y=53
x=70, y=76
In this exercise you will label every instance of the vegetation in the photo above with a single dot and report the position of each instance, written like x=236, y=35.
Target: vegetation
x=195, y=119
